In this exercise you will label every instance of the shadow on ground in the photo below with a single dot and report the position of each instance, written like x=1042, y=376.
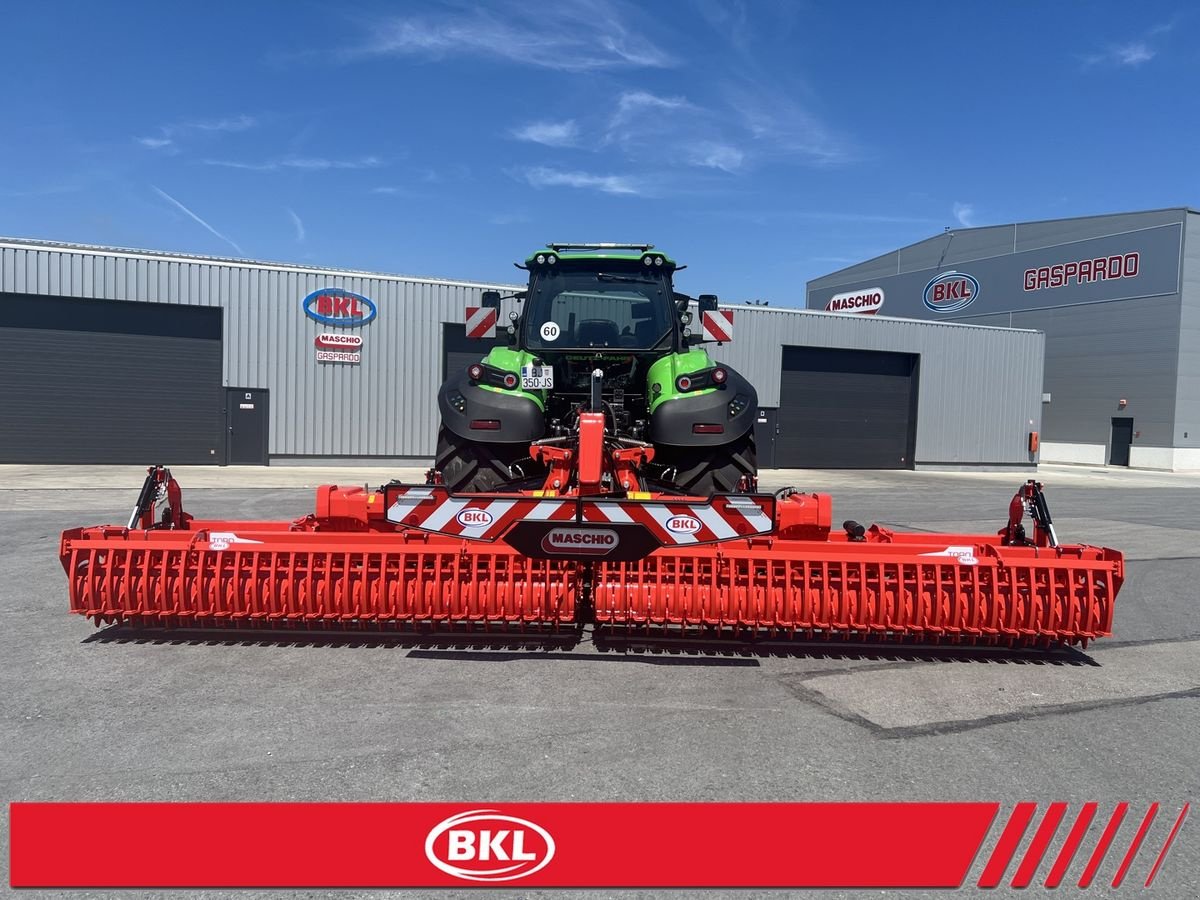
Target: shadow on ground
x=597, y=643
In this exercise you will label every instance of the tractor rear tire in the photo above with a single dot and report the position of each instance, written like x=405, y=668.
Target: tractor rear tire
x=475, y=467
x=703, y=471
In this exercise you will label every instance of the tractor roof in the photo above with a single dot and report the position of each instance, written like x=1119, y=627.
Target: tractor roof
x=598, y=251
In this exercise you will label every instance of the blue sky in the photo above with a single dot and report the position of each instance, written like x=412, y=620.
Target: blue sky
x=763, y=144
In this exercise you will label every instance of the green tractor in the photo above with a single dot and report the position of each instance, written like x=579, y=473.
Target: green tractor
x=600, y=319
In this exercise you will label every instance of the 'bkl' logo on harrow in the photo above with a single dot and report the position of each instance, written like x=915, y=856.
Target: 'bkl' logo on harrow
x=580, y=541
x=683, y=524
x=484, y=845
x=474, y=518
x=951, y=291
x=343, y=309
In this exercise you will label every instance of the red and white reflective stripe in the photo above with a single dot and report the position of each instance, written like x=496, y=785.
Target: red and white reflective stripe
x=721, y=519
x=717, y=325
x=716, y=524
x=751, y=512
x=481, y=322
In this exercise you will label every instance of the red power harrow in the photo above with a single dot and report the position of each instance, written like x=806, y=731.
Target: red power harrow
x=591, y=545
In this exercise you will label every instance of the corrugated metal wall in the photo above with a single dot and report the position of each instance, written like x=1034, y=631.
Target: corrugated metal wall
x=978, y=390
x=1187, y=393
x=386, y=406
x=1124, y=340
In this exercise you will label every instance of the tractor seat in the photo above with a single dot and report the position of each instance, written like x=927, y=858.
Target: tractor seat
x=592, y=332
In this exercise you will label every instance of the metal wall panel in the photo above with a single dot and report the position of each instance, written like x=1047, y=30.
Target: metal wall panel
x=1187, y=391
x=1106, y=340
x=1099, y=354
x=1000, y=279
x=964, y=245
x=979, y=388
x=386, y=406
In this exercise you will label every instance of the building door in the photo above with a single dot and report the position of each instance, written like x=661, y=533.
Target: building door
x=246, y=426
x=846, y=409
x=109, y=382
x=1122, y=439
x=764, y=437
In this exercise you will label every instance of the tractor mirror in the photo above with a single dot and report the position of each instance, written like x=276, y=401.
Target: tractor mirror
x=707, y=303
x=491, y=299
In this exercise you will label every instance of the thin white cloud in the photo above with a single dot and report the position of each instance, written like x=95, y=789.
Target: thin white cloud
x=320, y=163
x=549, y=134
x=237, y=164
x=304, y=163
x=571, y=36
x=648, y=126
x=233, y=123
x=784, y=129
x=1132, y=53
x=715, y=155
x=965, y=214
x=385, y=189
x=544, y=176
x=765, y=216
x=297, y=223
x=169, y=135
x=633, y=104
x=191, y=215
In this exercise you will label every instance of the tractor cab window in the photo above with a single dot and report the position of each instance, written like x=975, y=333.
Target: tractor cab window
x=567, y=310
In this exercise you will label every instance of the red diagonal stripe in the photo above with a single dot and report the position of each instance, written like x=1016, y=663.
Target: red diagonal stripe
x=1106, y=837
x=993, y=872
x=1037, y=847
x=718, y=328
x=1137, y=843
x=1074, y=838
x=1162, y=854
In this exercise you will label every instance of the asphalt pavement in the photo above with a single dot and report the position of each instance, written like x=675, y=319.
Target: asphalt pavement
x=95, y=714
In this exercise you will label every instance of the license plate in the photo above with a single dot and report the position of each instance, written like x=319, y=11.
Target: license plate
x=537, y=378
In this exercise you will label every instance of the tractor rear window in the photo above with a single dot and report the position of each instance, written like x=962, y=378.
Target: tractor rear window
x=576, y=310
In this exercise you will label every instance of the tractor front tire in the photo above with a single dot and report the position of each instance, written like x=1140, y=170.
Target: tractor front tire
x=475, y=467
x=703, y=471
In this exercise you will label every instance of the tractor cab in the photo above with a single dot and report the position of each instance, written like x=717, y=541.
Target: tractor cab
x=601, y=297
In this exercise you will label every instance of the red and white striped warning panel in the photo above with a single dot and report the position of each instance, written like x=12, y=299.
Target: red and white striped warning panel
x=481, y=322
x=671, y=523
x=717, y=325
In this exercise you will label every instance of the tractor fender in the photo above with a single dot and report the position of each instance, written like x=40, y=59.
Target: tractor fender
x=672, y=421
x=521, y=420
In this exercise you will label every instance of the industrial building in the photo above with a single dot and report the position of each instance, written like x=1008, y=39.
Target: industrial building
x=134, y=356
x=1117, y=297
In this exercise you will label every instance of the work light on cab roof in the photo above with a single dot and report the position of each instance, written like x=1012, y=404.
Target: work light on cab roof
x=576, y=253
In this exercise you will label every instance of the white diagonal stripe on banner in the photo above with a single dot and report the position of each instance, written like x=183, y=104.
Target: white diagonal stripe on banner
x=544, y=510
x=613, y=512
x=757, y=519
x=497, y=508
x=661, y=515
x=715, y=522
x=406, y=503
x=449, y=508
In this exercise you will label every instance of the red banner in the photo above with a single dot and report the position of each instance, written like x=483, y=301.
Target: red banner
x=844, y=845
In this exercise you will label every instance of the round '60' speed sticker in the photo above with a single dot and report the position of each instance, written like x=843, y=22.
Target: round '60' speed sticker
x=550, y=331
